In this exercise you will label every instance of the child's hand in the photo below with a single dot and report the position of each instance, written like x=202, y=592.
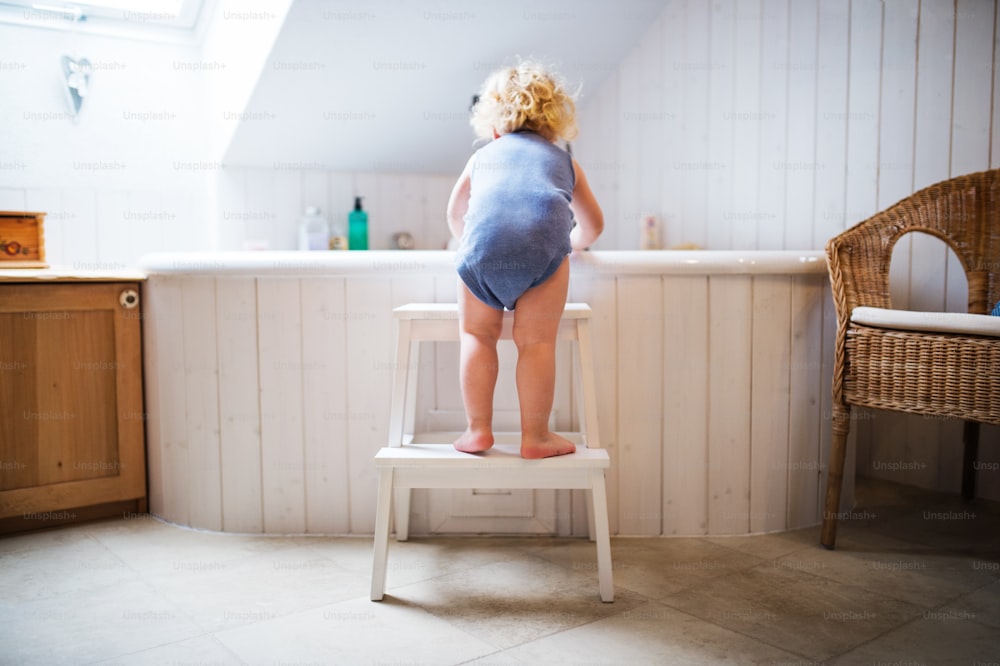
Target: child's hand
x=586, y=210
x=458, y=202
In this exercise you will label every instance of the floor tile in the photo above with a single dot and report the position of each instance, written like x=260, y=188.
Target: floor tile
x=508, y=603
x=650, y=634
x=952, y=525
x=59, y=567
x=769, y=546
x=654, y=567
x=166, y=549
x=358, y=631
x=894, y=499
x=229, y=592
x=803, y=613
x=937, y=638
x=983, y=605
x=42, y=540
x=910, y=572
x=424, y=558
x=91, y=625
x=202, y=650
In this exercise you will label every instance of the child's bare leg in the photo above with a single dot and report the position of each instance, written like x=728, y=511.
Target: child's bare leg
x=536, y=323
x=479, y=330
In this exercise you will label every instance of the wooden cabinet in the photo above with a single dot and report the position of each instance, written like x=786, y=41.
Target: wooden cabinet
x=72, y=426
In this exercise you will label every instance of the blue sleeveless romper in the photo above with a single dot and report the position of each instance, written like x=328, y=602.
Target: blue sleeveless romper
x=518, y=222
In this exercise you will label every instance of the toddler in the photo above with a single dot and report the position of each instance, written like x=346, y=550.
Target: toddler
x=513, y=209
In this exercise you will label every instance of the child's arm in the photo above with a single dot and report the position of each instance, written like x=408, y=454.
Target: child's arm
x=586, y=210
x=458, y=202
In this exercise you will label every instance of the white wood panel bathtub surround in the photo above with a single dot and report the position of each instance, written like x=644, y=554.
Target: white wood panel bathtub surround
x=272, y=375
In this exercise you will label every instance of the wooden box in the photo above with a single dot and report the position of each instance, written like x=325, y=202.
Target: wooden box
x=22, y=240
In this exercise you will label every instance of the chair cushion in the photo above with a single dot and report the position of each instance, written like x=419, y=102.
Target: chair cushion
x=934, y=322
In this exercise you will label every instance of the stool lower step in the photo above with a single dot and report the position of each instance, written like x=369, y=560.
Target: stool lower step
x=432, y=464
x=436, y=450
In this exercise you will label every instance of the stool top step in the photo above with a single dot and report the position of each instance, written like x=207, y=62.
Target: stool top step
x=500, y=456
x=450, y=311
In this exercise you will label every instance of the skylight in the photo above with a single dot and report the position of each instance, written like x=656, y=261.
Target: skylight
x=140, y=19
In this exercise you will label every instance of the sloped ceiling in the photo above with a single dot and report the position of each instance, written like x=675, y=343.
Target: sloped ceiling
x=385, y=85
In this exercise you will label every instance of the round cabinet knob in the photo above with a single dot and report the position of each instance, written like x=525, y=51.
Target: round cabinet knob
x=129, y=298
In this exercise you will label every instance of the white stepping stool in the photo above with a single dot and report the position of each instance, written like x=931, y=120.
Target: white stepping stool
x=428, y=460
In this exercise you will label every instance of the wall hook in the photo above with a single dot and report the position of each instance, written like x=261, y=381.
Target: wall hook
x=76, y=72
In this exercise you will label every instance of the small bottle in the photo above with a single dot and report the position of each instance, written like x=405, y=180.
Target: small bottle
x=338, y=236
x=357, y=227
x=650, y=238
x=314, y=232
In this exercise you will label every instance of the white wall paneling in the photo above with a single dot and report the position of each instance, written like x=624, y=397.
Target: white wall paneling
x=127, y=175
x=201, y=404
x=730, y=362
x=640, y=395
x=743, y=212
x=770, y=384
x=325, y=404
x=280, y=367
x=720, y=126
x=710, y=377
x=806, y=385
x=774, y=122
x=768, y=124
x=236, y=321
x=832, y=120
x=691, y=165
x=164, y=358
x=685, y=394
x=782, y=123
x=260, y=208
x=369, y=362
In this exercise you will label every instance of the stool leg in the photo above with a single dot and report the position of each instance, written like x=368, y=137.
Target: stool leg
x=380, y=556
x=589, y=507
x=402, y=505
x=411, y=371
x=400, y=383
x=586, y=353
x=604, y=564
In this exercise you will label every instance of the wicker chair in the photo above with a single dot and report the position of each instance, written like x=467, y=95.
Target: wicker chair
x=933, y=373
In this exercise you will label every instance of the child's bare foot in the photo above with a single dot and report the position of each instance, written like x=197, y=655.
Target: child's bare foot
x=546, y=446
x=474, y=441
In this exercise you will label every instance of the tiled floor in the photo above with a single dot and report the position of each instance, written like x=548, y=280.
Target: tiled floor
x=915, y=580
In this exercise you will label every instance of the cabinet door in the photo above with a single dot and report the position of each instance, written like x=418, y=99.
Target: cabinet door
x=71, y=397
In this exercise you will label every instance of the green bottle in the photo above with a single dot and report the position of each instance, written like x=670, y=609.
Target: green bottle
x=357, y=227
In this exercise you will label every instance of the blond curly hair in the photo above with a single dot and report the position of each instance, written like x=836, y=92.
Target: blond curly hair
x=525, y=97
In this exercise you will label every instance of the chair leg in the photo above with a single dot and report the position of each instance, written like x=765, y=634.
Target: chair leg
x=835, y=474
x=970, y=439
x=604, y=564
x=381, y=554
